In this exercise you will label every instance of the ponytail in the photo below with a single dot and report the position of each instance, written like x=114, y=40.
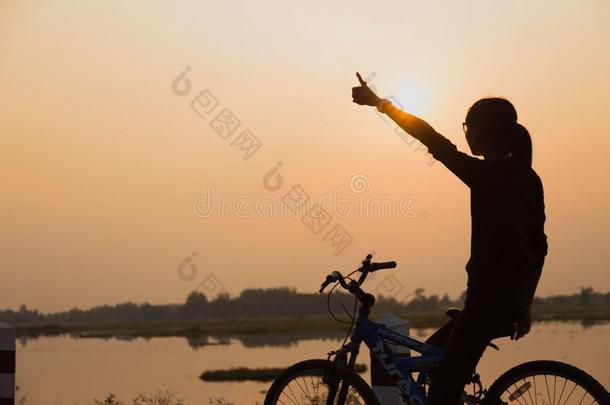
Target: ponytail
x=521, y=145
x=498, y=130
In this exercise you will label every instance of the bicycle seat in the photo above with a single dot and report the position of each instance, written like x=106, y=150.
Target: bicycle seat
x=453, y=312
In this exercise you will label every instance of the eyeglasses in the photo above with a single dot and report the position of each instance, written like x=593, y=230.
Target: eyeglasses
x=465, y=126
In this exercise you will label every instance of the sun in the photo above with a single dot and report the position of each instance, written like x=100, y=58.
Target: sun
x=411, y=95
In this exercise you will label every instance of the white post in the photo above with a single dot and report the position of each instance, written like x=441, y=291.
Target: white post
x=383, y=385
x=7, y=364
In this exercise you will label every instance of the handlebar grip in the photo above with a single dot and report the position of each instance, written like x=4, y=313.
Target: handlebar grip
x=323, y=286
x=331, y=278
x=382, y=265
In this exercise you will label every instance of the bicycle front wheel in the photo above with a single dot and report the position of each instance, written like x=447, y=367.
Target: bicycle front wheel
x=302, y=384
x=546, y=382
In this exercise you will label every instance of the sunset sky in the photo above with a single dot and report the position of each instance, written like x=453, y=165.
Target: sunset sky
x=107, y=172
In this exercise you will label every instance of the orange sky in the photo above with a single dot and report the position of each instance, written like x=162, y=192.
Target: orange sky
x=102, y=163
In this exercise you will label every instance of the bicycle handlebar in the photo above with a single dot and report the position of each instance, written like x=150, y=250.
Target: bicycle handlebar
x=381, y=266
x=354, y=286
x=372, y=267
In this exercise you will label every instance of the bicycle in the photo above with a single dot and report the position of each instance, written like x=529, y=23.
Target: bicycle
x=334, y=381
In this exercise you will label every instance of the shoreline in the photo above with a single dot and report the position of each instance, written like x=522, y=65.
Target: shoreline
x=272, y=325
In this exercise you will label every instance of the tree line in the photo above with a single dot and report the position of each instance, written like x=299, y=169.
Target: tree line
x=271, y=302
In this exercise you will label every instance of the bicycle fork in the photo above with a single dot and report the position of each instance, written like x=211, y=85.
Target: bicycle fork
x=337, y=385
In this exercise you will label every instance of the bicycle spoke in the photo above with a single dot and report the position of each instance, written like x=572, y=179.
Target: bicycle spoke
x=570, y=394
x=583, y=397
x=529, y=394
x=522, y=389
x=314, y=386
x=565, y=380
x=309, y=389
x=547, y=388
x=287, y=396
x=535, y=392
x=557, y=392
x=296, y=400
x=517, y=397
x=296, y=380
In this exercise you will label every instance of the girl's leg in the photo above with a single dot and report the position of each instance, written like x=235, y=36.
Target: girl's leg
x=440, y=337
x=463, y=351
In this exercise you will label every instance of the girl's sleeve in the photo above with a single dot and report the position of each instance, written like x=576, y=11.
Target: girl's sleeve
x=467, y=168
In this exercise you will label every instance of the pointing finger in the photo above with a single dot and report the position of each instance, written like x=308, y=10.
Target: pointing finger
x=362, y=82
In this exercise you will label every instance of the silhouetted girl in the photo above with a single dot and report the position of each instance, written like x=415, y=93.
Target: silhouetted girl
x=508, y=243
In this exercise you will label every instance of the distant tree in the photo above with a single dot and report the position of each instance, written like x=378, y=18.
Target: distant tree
x=461, y=300
x=446, y=301
x=196, y=305
x=586, y=295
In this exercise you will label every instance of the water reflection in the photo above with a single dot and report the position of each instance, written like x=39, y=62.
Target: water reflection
x=198, y=342
x=286, y=339
x=67, y=369
x=283, y=339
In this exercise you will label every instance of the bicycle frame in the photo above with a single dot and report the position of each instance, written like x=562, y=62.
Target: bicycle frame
x=374, y=335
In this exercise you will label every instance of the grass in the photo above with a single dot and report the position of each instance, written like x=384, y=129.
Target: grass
x=181, y=328
x=253, y=374
x=159, y=397
x=226, y=327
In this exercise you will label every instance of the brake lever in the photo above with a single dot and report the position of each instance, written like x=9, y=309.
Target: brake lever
x=329, y=279
x=324, y=285
x=367, y=261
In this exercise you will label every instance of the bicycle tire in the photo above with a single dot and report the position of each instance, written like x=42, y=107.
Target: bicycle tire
x=317, y=367
x=511, y=379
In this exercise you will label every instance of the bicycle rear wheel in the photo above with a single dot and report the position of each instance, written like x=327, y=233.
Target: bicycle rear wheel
x=302, y=384
x=546, y=382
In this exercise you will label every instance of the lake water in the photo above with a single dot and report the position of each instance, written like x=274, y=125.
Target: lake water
x=65, y=370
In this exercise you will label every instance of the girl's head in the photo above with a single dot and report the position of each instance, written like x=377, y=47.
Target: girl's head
x=492, y=131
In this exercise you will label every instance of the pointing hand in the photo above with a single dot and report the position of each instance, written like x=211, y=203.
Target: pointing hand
x=363, y=95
